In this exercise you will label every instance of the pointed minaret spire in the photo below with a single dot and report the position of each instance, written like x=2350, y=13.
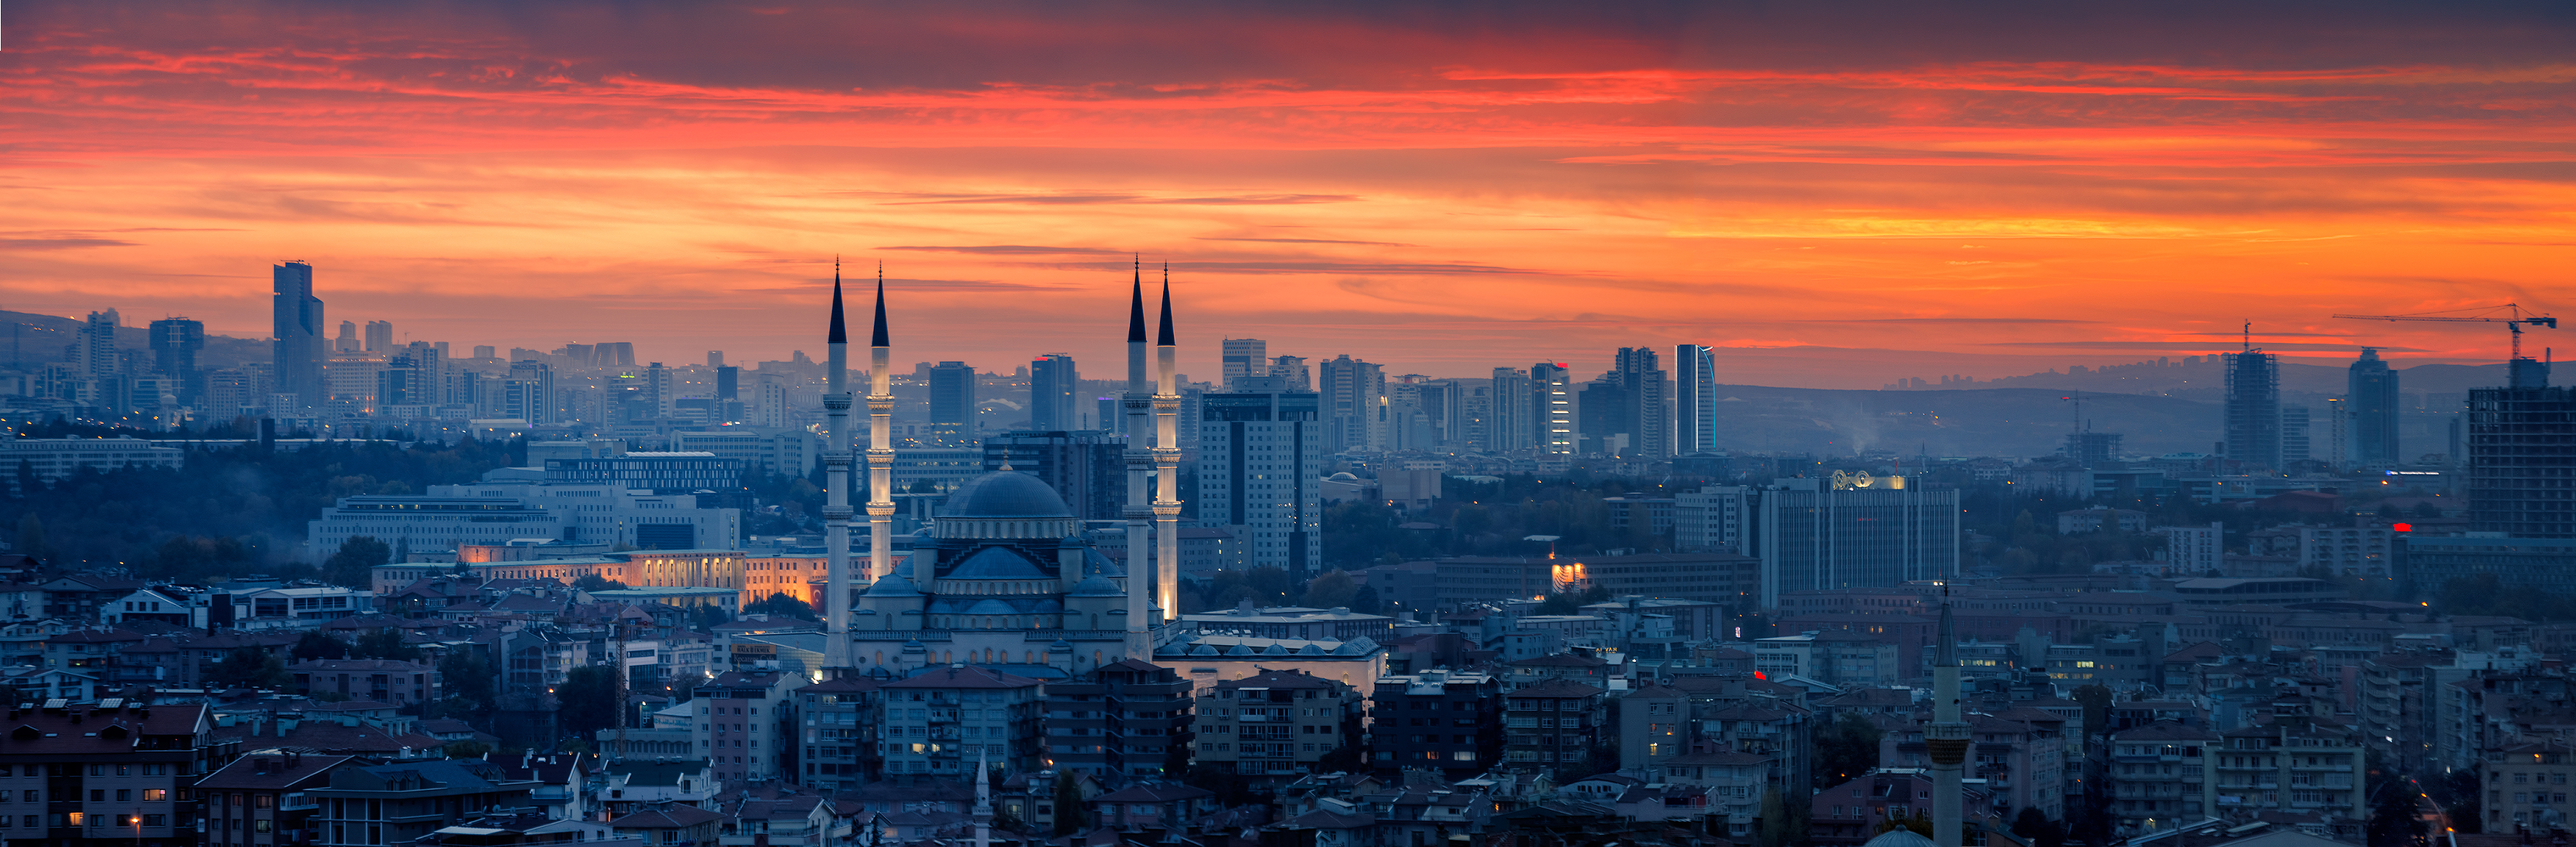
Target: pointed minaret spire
x=880, y=339
x=1136, y=305
x=840, y=331
x=1166, y=339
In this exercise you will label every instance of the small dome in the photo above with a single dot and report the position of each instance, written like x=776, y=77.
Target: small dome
x=1345, y=476
x=1005, y=494
x=1899, y=837
x=1095, y=585
x=893, y=585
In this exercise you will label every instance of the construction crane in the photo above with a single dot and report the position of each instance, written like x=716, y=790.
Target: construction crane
x=2513, y=319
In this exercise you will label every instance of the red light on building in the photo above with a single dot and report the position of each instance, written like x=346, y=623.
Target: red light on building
x=2403, y=527
x=1761, y=675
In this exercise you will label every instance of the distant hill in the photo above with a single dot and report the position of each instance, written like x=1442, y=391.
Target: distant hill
x=2205, y=378
x=33, y=340
x=1970, y=422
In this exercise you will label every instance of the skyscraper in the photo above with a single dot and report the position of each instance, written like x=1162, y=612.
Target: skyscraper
x=1695, y=399
x=1648, y=405
x=2296, y=443
x=1053, y=387
x=1088, y=468
x=952, y=401
x=1552, y=414
x=1245, y=357
x=348, y=341
x=296, y=333
x=175, y=342
x=380, y=336
x=1294, y=370
x=1354, y=395
x=2371, y=395
x=2252, y=412
x=98, y=344
x=2519, y=466
x=1510, y=426
x=1261, y=451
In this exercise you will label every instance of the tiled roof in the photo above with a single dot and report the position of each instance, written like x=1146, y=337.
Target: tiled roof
x=671, y=818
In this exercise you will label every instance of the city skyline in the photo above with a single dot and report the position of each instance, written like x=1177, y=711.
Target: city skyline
x=1593, y=181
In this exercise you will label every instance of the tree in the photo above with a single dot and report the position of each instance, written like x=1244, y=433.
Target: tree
x=595, y=582
x=2036, y=826
x=2097, y=708
x=2395, y=816
x=1333, y=589
x=31, y=529
x=1781, y=826
x=1558, y=604
x=249, y=667
x=385, y=643
x=469, y=681
x=588, y=701
x=466, y=749
x=1846, y=750
x=357, y=561
x=781, y=605
x=1366, y=602
x=1068, y=803
x=315, y=645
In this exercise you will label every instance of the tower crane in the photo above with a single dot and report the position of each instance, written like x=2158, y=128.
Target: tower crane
x=2513, y=319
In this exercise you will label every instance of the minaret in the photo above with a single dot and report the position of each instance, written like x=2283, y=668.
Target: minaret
x=836, y=486
x=1136, y=403
x=1946, y=739
x=880, y=444
x=983, y=804
x=1167, y=465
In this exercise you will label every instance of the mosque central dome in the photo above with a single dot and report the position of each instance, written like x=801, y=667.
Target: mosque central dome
x=1005, y=495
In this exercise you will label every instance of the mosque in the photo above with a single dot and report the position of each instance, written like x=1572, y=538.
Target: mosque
x=1003, y=577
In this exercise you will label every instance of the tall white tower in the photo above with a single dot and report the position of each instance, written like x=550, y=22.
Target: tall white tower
x=983, y=811
x=880, y=445
x=836, y=486
x=1136, y=404
x=1167, y=467
x=1946, y=740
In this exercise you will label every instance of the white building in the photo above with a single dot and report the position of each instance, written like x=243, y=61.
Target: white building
x=787, y=452
x=1712, y=519
x=498, y=513
x=52, y=459
x=2195, y=550
x=1261, y=464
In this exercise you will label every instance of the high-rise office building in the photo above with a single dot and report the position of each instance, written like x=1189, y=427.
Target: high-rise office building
x=1440, y=401
x=486, y=351
x=348, y=342
x=2371, y=392
x=715, y=358
x=657, y=391
x=2252, y=412
x=1294, y=370
x=1354, y=397
x=1261, y=453
x=1600, y=417
x=1088, y=468
x=1694, y=399
x=1810, y=535
x=1552, y=414
x=97, y=348
x=1647, y=403
x=528, y=393
x=296, y=333
x=2519, y=465
x=1510, y=427
x=952, y=402
x=2296, y=443
x=380, y=336
x=1054, y=386
x=1245, y=357
x=175, y=343
x=415, y=375
x=728, y=382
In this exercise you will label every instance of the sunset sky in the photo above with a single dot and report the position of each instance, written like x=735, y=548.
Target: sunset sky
x=1840, y=197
